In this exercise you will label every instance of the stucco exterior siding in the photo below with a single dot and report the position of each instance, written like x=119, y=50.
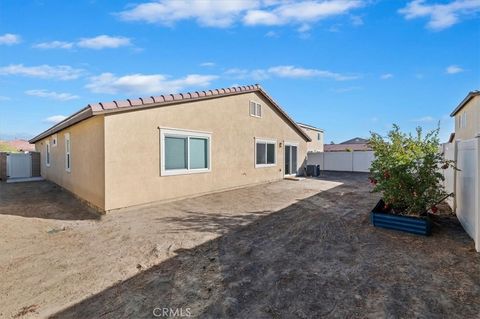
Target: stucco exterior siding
x=86, y=178
x=316, y=145
x=133, y=151
x=472, y=109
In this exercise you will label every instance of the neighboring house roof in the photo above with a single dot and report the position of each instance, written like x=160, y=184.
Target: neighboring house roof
x=310, y=127
x=467, y=99
x=162, y=100
x=356, y=140
x=346, y=147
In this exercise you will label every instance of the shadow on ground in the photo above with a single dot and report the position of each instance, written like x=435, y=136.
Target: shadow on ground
x=316, y=258
x=42, y=199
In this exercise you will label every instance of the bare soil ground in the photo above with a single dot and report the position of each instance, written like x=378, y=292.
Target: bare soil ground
x=287, y=249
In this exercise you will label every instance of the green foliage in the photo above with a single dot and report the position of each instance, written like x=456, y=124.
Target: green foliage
x=406, y=170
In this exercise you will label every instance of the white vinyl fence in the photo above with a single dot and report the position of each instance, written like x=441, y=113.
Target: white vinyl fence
x=466, y=183
x=356, y=161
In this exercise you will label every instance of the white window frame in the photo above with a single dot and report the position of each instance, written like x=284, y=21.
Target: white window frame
x=257, y=109
x=54, y=140
x=266, y=141
x=184, y=134
x=68, y=153
x=48, y=153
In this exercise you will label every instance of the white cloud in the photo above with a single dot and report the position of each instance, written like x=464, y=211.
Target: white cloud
x=4, y=98
x=206, y=12
x=96, y=43
x=59, y=72
x=54, y=45
x=441, y=15
x=287, y=71
x=103, y=42
x=223, y=14
x=346, y=89
x=146, y=83
x=54, y=119
x=271, y=34
x=10, y=39
x=304, y=28
x=300, y=12
x=207, y=64
x=424, y=119
x=356, y=21
x=453, y=69
x=386, y=76
x=52, y=95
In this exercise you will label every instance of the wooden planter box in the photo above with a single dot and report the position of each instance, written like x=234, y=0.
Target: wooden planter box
x=408, y=224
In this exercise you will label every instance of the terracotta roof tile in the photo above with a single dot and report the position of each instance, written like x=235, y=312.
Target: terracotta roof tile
x=147, y=100
x=96, y=107
x=135, y=102
x=109, y=105
x=123, y=103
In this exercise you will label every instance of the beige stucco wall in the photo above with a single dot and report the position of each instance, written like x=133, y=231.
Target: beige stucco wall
x=132, y=149
x=472, y=108
x=316, y=145
x=86, y=176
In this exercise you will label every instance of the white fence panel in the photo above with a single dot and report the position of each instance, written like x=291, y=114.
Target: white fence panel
x=338, y=161
x=357, y=161
x=467, y=186
x=362, y=161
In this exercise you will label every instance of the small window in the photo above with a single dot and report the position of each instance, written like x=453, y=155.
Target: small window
x=265, y=153
x=255, y=109
x=54, y=140
x=68, y=157
x=184, y=152
x=47, y=154
x=319, y=136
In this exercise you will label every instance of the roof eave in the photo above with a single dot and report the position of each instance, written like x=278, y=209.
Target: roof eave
x=79, y=116
x=467, y=99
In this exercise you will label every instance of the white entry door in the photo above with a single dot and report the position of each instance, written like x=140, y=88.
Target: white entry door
x=19, y=165
x=291, y=159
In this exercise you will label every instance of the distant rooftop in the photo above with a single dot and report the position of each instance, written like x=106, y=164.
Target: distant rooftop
x=309, y=126
x=356, y=140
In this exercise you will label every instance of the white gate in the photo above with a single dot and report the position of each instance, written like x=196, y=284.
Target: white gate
x=19, y=165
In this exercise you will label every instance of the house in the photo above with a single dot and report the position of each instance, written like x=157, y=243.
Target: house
x=129, y=152
x=354, y=144
x=316, y=135
x=467, y=117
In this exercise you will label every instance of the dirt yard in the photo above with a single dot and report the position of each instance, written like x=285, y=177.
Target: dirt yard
x=290, y=249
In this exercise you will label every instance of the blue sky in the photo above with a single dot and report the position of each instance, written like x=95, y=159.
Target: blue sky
x=347, y=66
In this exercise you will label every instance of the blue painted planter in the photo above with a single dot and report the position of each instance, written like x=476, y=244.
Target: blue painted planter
x=408, y=224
